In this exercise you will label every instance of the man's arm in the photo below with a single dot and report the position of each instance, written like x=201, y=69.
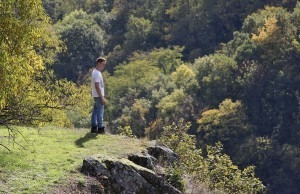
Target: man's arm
x=97, y=86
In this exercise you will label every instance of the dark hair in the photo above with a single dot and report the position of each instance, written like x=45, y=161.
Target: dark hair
x=100, y=60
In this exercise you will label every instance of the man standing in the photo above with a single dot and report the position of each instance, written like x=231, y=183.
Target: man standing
x=98, y=94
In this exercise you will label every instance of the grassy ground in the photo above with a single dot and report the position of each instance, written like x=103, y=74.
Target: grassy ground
x=52, y=155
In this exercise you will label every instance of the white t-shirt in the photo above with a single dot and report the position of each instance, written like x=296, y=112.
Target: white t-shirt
x=97, y=77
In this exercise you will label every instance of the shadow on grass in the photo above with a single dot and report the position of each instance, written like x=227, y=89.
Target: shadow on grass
x=89, y=136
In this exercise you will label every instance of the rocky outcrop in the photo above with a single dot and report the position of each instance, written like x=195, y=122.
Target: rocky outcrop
x=164, y=155
x=133, y=175
x=144, y=160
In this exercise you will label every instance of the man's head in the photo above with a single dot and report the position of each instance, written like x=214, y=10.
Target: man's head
x=100, y=63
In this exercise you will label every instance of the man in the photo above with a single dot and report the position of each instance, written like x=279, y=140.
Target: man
x=99, y=99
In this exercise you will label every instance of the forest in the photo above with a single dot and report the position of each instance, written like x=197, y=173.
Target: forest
x=218, y=81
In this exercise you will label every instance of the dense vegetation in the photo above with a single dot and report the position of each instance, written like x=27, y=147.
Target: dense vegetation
x=229, y=67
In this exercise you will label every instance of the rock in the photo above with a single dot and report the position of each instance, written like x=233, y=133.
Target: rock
x=145, y=160
x=126, y=179
x=159, y=182
x=164, y=155
x=134, y=175
x=93, y=167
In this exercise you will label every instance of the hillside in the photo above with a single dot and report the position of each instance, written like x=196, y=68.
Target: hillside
x=217, y=81
x=51, y=157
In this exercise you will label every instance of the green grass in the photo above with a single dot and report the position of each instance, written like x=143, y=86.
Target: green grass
x=53, y=155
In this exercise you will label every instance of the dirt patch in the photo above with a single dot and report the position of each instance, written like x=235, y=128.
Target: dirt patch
x=74, y=186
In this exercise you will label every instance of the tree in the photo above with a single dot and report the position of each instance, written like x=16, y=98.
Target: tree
x=131, y=81
x=84, y=41
x=167, y=59
x=228, y=124
x=58, y=9
x=266, y=51
x=137, y=33
x=30, y=93
x=215, y=77
x=169, y=105
x=184, y=77
x=26, y=40
x=225, y=176
x=187, y=19
x=215, y=169
x=136, y=117
x=201, y=25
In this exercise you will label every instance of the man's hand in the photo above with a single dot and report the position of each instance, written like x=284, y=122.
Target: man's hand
x=103, y=100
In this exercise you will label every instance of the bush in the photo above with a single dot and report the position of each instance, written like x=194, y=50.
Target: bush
x=215, y=169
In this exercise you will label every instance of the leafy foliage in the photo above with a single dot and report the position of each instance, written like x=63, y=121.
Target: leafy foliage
x=228, y=124
x=126, y=131
x=31, y=94
x=84, y=40
x=25, y=37
x=215, y=77
x=167, y=60
x=137, y=33
x=215, y=169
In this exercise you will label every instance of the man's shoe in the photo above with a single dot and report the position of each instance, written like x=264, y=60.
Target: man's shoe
x=94, y=129
x=101, y=130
